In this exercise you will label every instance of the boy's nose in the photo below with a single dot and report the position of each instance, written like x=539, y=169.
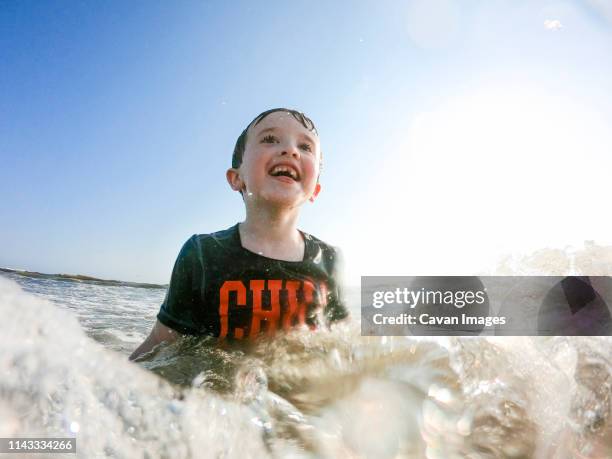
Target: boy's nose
x=291, y=150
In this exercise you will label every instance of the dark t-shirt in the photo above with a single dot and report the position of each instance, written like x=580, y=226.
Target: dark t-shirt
x=220, y=288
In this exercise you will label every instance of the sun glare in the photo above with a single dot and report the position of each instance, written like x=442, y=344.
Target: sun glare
x=490, y=172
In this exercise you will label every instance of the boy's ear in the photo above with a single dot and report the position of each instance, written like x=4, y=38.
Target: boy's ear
x=317, y=190
x=234, y=180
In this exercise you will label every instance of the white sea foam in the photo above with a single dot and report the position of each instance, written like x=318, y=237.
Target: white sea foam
x=54, y=379
x=312, y=394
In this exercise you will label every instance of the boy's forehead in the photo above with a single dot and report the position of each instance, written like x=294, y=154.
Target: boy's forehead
x=282, y=121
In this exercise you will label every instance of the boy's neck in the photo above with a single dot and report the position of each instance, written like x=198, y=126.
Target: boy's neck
x=272, y=234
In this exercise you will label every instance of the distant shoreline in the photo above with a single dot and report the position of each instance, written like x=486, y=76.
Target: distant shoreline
x=81, y=278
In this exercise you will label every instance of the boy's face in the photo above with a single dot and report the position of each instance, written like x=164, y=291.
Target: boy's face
x=280, y=164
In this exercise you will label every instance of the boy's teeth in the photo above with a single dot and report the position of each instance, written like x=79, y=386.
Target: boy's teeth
x=283, y=170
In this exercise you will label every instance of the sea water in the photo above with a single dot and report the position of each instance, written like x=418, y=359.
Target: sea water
x=330, y=393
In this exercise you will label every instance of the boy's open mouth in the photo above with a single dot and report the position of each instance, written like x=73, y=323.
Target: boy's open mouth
x=282, y=170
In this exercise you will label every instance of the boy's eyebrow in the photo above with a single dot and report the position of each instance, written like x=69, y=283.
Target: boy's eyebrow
x=307, y=137
x=270, y=129
x=273, y=129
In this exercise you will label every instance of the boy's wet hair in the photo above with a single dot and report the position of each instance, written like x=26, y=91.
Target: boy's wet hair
x=242, y=139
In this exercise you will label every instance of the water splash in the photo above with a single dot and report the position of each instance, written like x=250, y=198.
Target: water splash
x=331, y=393
x=55, y=378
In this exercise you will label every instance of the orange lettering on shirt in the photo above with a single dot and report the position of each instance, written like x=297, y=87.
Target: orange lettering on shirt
x=270, y=316
x=322, y=297
x=323, y=294
x=226, y=288
x=296, y=308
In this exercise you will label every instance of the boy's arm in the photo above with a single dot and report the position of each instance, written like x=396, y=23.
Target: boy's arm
x=159, y=334
x=177, y=309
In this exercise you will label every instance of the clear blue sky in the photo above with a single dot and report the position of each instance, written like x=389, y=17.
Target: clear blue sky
x=452, y=131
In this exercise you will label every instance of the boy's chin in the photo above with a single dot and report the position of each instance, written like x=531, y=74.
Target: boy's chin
x=288, y=200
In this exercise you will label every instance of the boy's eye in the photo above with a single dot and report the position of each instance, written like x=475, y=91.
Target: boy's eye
x=269, y=139
x=273, y=139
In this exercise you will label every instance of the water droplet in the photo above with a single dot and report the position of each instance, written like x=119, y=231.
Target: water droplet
x=199, y=379
x=175, y=407
x=74, y=427
x=334, y=358
x=464, y=426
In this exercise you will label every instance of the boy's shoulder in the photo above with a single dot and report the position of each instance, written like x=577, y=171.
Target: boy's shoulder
x=225, y=238
x=321, y=252
x=328, y=248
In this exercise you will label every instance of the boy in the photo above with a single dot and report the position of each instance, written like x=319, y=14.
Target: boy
x=261, y=275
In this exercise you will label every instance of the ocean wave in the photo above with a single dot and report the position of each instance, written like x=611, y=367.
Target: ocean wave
x=58, y=382
x=330, y=393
